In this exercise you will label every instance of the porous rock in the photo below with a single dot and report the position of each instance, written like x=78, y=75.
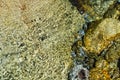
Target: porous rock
x=36, y=38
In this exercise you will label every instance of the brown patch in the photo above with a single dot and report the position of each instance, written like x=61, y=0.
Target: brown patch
x=100, y=36
x=23, y=7
x=82, y=74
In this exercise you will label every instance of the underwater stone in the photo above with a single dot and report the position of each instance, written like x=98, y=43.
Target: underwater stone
x=99, y=37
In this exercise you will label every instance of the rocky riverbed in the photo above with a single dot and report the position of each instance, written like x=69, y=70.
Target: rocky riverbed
x=59, y=40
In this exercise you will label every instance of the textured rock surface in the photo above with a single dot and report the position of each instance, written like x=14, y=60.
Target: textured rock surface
x=107, y=67
x=113, y=53
x=105, y=70
x=102, y=21
x=101, y=72
x=99, y=37
x=36, y=38
x=94, y=8
x=79, y=73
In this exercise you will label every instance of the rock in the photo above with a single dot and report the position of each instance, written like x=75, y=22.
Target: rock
x=113, y=11
x=113, y=53
x=99, y=37
x=105, y=71
x=79, y=73
x=36, y=38
x=100, y=71
x=94, y=8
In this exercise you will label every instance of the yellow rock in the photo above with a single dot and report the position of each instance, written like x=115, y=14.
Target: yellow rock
x=99, y=37
x=98, y=74
x=101, y=70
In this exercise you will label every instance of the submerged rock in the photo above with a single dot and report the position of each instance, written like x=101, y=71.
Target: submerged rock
x=99, y=37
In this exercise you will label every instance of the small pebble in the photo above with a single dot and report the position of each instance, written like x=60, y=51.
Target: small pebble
x=81, y=12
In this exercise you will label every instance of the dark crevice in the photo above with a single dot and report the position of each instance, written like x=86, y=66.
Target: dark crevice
x=119, y=18
x=76, y=3
x=94, y=62
x=118, y=64
x=43, y=37
x=21, y=45
x=82, y=74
